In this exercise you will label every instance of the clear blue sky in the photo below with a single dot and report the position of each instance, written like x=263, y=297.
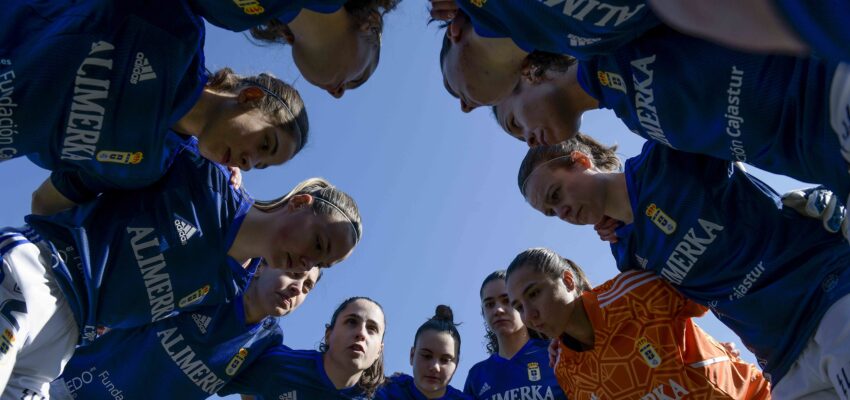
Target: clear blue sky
x=436, y=189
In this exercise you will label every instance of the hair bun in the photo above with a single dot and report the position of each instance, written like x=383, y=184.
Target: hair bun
x=444, y=313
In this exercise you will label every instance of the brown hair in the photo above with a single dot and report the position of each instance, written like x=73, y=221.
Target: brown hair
x=282, y=105
x=551, y=264
x=442, y=321
x=604, y=158
x=492, y=344
x=373, y=377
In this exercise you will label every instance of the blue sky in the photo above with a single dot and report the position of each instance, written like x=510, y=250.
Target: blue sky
x=436, y=189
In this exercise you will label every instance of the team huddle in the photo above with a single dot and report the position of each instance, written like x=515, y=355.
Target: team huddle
x=145, y=146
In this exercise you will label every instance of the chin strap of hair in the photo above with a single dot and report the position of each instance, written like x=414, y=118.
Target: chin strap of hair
x=525, y=182
x=267, y=91
x=347, y=218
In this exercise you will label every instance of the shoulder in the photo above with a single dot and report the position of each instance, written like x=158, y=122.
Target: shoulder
x=624, y=285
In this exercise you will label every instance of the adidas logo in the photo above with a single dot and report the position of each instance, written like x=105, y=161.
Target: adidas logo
x=202, y=321
x=142, y=70
x=484, y=388
x=293, y=395
x=184, y=229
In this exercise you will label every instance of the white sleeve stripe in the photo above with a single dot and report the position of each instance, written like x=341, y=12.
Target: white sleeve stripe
x=622, y=282
x=641, y=280
x=710, y=361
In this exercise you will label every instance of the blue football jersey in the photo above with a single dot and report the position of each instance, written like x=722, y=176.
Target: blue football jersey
x=821, y=24
x=242, y=15
x=136, y=257
x=402, y=387
x=769, y=111
x=90, y=88
x=722, y=238
x=284, y=373
x=581, y=29
x=526, y=374
x=190, y=356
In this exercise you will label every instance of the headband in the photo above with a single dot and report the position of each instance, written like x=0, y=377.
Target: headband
x=524, y=182
x=350, y=221
x=285, y=107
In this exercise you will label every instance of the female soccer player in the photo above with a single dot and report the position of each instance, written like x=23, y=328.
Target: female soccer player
x=518, y=360
x=336, y=44
x=241, y=122
x=131, y=258
x=105, y=94
x=719, y=236
x=487, y=42
x=631, y=337
x=434, y=357
x=782, y=114
x=348, y=365
x=788, y=26
x=192, y=355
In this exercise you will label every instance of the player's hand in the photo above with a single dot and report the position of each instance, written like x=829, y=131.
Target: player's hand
x=235, y=177
x=443, y=10
x=554, y=353
x=819, y=203
x=606, y=229
x=731, y=349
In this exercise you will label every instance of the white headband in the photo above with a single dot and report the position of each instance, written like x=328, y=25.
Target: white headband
x=353, y=226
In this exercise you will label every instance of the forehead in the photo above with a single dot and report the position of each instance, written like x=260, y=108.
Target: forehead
x=520, y=279
x=339, y=231
x=436, y=341
x=364, y=310
x=537, y=183
x=494, y=288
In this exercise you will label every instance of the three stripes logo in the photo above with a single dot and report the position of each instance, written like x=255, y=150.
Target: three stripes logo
x=202, y=321
x=484, y=389
x=142, y=70
x=184, y=229
x=293, y=395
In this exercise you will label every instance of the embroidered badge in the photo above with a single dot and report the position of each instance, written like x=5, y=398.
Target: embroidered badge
x=661, y=220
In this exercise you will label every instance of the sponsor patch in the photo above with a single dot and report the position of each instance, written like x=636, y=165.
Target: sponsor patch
x=612, y=80
x=250, y=7
x=120, y=157
x=195, y=296
x=236, y=362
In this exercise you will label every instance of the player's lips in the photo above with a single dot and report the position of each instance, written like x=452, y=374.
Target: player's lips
x=431, y=379
x=357, y=348
x=501, y=321
x=285, y=301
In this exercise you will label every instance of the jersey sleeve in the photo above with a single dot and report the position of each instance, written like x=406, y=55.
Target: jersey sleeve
x=259, y=378
x=75, y=186
x=468, y=385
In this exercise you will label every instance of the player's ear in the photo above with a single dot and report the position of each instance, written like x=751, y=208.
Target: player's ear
x=569, y=280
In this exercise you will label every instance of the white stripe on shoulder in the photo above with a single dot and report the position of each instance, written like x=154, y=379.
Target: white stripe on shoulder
x=621, y=280
x=8, y=237
x=710, y=361
x=634, y=282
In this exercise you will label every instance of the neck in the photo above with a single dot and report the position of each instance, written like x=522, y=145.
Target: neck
x=433, y=394
x=617, y=204
x=245, y=243
x=510, y=344
x=579, y=98
x=252, y=315
x=195, y=121
x=579, y=326
x=341, y=376
x=312, y=29
x=503, y=51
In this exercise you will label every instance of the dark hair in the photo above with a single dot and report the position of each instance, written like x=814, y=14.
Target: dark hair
x=604, y=158
x=283, y=104
x=442, y=321
x=362, y=11
x=373, y=377
x=492, y=341
x=551, y=264
x=331, y=199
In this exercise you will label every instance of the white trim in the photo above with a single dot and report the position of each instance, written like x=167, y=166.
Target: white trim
x=710, y=361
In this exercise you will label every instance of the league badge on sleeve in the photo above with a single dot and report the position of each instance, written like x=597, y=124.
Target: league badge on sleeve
x=236, y=361
x=120, y=157
x=534, y=372
x=195, y=296
x=660, y=219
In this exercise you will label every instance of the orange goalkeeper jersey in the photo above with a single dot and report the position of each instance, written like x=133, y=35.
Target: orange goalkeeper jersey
x=647, y=347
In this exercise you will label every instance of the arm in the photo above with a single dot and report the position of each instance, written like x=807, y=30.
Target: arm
x=47, y=200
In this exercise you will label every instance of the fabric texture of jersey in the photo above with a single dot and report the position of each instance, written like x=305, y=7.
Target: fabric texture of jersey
x=89, y=88
x=722, y=238
x=135, y=257
x=527, y=372
x=646, y=346
x=769, y=111
x=402, y=387
x=821, y=24
x=242, y=15
x=283, y=373
x=581, y=29
x=190, y=356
